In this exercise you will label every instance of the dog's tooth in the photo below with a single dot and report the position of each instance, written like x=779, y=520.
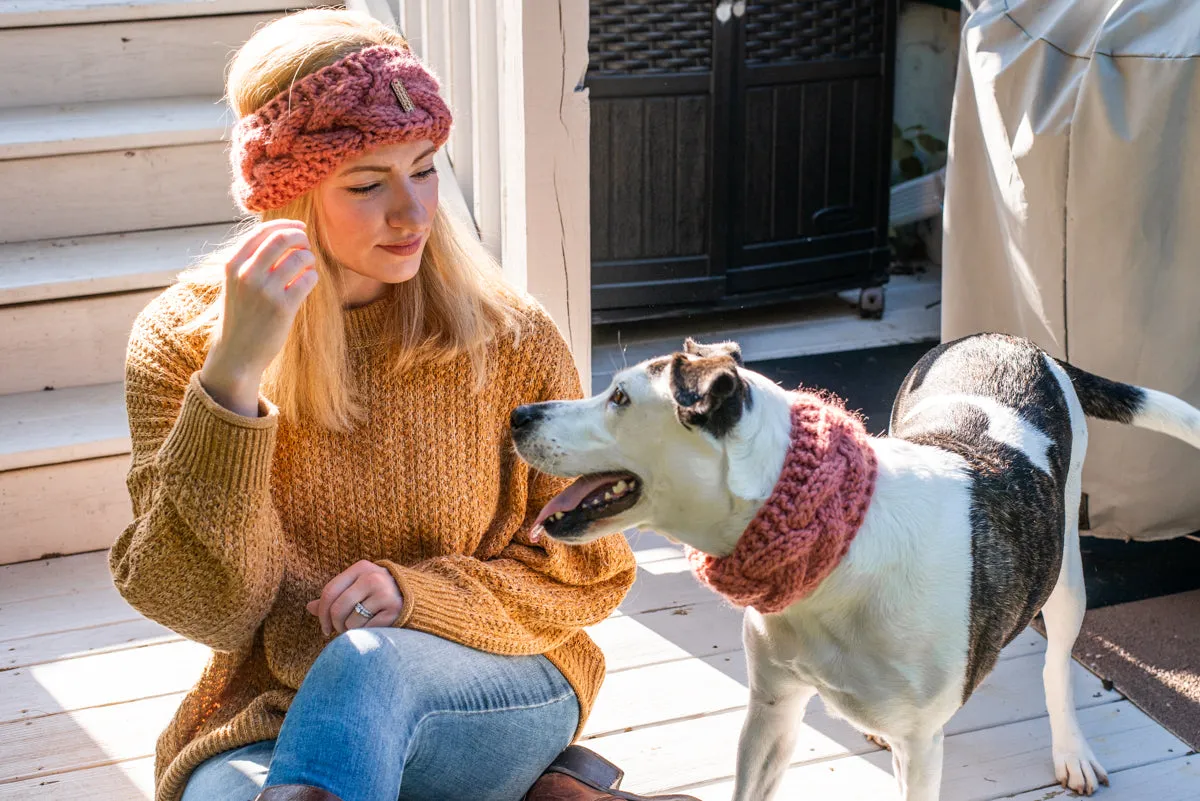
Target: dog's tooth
x=608, y=496
x=620, y=487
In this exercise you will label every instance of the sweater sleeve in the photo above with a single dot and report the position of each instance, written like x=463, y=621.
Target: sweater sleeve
x=530, y=597
x=202, y=555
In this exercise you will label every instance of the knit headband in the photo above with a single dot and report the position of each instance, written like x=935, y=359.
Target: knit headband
x=381, y=95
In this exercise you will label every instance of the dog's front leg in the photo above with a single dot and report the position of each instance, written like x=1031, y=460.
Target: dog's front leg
x=917, y=762
x=768, y=737
x=777, y=701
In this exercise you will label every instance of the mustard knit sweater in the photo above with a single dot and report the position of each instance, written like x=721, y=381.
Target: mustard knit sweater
x=239, y=522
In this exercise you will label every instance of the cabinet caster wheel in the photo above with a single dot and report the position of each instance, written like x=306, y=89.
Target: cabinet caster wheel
x=871, y=303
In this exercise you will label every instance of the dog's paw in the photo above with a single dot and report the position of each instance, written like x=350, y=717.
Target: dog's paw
x=1079, y=770
x=879, y=741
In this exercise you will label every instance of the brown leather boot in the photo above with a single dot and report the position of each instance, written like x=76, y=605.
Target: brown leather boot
x=582, y=775
x=295, y=792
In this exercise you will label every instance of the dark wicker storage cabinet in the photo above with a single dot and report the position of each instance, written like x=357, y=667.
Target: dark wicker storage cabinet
x=737, y=158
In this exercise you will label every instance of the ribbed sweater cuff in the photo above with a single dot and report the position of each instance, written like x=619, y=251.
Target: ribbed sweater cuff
x=432, y=606
x=221, y=447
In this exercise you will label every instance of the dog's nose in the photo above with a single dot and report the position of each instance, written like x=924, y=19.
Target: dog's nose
x=523, y=416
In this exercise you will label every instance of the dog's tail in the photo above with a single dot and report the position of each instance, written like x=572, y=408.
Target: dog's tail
x=1136, y=406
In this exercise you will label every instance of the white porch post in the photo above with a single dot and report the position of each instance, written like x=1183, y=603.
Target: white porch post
x=544, y=162
x=513, y=73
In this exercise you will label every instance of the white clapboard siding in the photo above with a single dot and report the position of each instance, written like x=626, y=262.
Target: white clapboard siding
x=29, y=13
x=62, y=509
x=114, y=192
x=58, y=130
x=68, y=343
x=120, y=60
x=54, y=269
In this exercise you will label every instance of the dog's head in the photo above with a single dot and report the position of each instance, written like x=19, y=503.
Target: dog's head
x=665, y=446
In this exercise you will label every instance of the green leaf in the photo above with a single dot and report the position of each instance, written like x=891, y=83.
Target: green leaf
x=896, y=132
x=902, y=149
x=931, y=144
x=911, y=167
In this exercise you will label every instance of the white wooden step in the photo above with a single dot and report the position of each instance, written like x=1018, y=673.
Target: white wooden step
x=94, y=265
x=114, y=191
x=120, y=60
x=30, y=13
x=110, y=125
x=63, y=509
x=67, y=343
x=63, y=460
x=66, y=425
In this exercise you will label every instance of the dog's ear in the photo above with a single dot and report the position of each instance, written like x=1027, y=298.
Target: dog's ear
x=731, y=349
x=709, y=394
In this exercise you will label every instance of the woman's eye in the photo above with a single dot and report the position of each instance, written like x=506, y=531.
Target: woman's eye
x=363, y=190
x=618, y=398
x=426, y=173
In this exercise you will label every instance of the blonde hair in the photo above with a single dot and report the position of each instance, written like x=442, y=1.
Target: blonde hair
x=456, y=304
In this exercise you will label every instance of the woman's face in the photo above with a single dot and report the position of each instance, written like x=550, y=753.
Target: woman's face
x=375, y=214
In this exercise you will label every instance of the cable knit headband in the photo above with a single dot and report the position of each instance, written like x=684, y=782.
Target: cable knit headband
x=381, y=95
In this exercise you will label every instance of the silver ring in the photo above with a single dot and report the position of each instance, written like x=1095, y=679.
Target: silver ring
x=362, y=610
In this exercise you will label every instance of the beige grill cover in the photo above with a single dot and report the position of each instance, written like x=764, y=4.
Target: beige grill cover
x=1072, y=217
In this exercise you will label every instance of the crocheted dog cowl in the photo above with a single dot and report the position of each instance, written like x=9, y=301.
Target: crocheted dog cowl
x=807, y=524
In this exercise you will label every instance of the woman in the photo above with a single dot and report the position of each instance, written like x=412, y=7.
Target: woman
x=323, y=487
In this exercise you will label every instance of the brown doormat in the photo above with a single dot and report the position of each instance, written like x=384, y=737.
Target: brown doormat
x=1150, y=651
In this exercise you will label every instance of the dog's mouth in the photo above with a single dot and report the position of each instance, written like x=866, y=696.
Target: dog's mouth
x=590, y=498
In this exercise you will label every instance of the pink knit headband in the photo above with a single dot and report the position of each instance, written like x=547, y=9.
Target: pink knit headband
x=381, y=95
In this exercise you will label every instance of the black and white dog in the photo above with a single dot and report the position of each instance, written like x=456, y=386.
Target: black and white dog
x=972, y=529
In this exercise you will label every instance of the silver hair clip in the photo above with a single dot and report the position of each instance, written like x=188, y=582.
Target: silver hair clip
x=402, y=95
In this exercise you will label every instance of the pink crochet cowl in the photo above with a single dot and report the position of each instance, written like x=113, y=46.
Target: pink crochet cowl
x=806, y=525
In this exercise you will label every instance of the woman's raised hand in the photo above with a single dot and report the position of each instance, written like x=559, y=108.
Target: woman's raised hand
x=266, y=280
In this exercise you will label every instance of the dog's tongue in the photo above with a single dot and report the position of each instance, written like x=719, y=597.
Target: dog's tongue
x=573, y=495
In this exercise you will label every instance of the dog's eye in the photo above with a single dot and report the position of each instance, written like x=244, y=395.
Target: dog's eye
x=618, y=398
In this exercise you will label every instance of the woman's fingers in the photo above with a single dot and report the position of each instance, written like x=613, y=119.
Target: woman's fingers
x=277, y=244
x=332, y=592
x=255, y=238
x=366, y=583
x=288, y=272
x=342, y=611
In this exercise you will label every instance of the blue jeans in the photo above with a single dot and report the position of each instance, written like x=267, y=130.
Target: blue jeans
x=388, y=714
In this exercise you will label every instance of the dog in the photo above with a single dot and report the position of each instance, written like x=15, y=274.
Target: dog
x=970, y=530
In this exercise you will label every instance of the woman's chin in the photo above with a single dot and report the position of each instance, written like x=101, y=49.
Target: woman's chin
x=397, y=270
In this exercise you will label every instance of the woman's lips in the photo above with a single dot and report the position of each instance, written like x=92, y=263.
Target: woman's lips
x=406, y=248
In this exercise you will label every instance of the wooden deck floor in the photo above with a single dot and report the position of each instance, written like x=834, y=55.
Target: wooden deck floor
x=86, y=685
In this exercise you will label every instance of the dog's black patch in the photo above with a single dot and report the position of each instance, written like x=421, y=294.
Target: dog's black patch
x=1105, y=399
x=1017, y=509
x=656, y=367
x=709, y=394
x=730, y=349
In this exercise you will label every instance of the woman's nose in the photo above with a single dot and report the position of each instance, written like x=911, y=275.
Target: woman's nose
x=407, y=210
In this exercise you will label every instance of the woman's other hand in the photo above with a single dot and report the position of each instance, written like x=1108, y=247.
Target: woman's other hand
x=363, y=583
